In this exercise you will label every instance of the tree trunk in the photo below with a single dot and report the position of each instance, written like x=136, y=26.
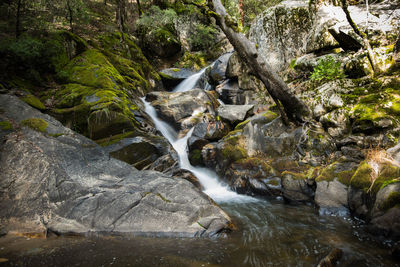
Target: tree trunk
x=294, y=109
x=241, y=11
x=366, y=45
x=18, y=19
x=120, y=17
x=139, y=6
x=70, y=15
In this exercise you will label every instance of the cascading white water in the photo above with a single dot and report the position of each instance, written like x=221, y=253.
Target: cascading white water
x=208, y=178
x=189, y=83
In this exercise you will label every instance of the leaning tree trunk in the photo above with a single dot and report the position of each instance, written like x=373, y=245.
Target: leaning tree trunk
x=366, y=45
x=294, y=109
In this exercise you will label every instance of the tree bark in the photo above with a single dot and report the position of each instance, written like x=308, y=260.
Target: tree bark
x=120, y=17
x=18, y=19
x=139, y=6
x=70, y=15
x=294, y=109
x=241, y=11
x=366, y=45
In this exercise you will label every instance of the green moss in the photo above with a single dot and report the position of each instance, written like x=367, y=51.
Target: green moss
x=129, y=60
x=233, y=138
x=56, y=135
x=92, y=69
x=72, y=94
x=392, y=200
x=6, y=126
x=196, y=155
x=387, y=175
x=37, y=124
x=194, y=60
x=295, y=175
x=270, y=116
x=273, y=182
x=33, y=101
x=233, y=152
x=163, y=198
x=330, y=173
x=362, y=177
x=388, y=182
x=115, y=139
x=256, y=162
x=241, y=125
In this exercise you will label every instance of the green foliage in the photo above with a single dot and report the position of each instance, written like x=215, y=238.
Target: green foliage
x=204, y=37
x=251, y=9
x=26, y=49
x=157, y=18
x=328, y=69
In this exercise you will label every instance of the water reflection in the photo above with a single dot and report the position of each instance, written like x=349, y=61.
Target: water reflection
x=270, y=234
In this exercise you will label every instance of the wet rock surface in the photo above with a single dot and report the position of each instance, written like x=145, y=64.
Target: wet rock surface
x=185, y=109
x=68, y=184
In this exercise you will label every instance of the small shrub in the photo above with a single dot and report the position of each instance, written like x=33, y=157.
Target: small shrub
x=328, y=69
x=204, y=37
x=156, y=18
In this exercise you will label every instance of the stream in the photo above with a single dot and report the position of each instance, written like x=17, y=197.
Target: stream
x=270, y=233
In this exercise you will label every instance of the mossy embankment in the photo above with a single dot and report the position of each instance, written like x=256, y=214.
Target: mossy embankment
x=91, y=86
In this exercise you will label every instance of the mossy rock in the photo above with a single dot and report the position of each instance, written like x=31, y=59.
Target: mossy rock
x=333, y=171
x=104, y=123
x=241, y=125
x=256, y=163
x=270, y=115
x=391, y=201
x=162, y=42
x=74, y=118
x=92, y=69
x=72, y=95
x=281, y=165
x=115, y=138
x=193, y=60
x=233, y=152
x=388, y=174
x=138, y=154
x=36, y=124
x=295, y=175
x=33, y=101
x=6, y=126
x=196, y=158
x=364, y=178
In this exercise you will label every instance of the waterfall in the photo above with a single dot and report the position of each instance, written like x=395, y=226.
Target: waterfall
x=208, y=178
x=190, y=82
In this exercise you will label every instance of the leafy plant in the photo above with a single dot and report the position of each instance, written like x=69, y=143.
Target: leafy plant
x=204, y=37
x=157, y=18
x=328, y=69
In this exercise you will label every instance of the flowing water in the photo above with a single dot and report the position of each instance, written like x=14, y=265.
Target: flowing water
x=190, y=82
x=270, y=233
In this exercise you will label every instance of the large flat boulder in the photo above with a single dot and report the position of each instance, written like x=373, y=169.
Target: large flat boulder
x=53, y=179
x=292, y=29
x=234, y=113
